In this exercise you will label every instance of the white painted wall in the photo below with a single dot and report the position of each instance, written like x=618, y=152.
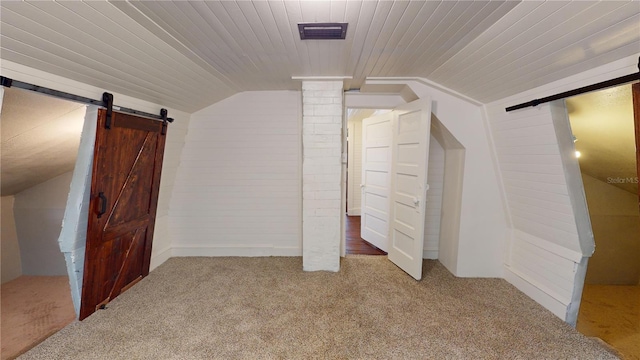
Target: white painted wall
x=38, y=214
x=176, y=137
x=10, y=248
x=433, y=208
x=237, y=190
x=482, y=219
x=547, y=251
x=615, y=219
x=543, y=254
x=354, y=165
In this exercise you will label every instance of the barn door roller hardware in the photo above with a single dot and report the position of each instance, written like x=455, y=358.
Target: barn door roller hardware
x=107, y=100
x=7, y=82
x=163, y=113
x=599, y=86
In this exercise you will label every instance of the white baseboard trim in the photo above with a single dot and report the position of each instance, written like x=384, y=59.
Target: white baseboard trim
x=530, y=289
x=354, y=212
x=430, y=254
x=159, y=258
x=220, y=250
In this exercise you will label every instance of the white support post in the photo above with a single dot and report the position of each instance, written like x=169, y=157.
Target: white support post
x=321, y=174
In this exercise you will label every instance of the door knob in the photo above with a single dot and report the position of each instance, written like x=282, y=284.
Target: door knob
x=416, y=201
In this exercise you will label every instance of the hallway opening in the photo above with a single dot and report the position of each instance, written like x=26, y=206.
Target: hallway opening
x=602, y=124
x=40, y=138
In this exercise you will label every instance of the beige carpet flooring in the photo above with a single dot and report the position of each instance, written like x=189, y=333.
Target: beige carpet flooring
x=33, y=307
x=612, y=313
x=268, y=308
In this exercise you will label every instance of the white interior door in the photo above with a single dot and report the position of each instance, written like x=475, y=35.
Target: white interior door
x=376, y=164
x=408, y=189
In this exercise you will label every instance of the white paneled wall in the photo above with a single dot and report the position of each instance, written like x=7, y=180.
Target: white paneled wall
x=238, y=185
x=38, y=213
x=533, y=174
x=477, y=248
x=433, y=211
x=11, y=264
x=542, y=270
x=547, y=251
x=538, y=198
x=176, y=135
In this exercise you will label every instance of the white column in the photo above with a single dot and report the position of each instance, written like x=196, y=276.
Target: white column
x=321, y=174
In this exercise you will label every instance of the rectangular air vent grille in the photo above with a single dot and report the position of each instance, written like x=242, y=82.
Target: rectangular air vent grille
x=322, y=31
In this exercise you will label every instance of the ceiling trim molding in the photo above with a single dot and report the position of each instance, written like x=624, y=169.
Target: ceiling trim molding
x=405, y=80
x=321, y=78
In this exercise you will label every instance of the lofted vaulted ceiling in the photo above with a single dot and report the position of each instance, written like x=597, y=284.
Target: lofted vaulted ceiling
x=190, y=54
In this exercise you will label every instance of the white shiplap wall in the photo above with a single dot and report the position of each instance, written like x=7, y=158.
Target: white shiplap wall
x=533, y=175
x=176, y=135
x=38, y=213
x=238, y=185
x=433, y=211
x=537, y=195
x=545, y=250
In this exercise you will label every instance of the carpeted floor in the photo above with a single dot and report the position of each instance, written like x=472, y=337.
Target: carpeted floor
x=258, y=308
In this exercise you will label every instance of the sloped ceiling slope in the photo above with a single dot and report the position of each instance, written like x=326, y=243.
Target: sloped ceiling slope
x=603, y=125
x=190, y=54
x=39, y=138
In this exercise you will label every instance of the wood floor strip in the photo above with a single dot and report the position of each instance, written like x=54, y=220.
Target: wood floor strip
x=355, y=245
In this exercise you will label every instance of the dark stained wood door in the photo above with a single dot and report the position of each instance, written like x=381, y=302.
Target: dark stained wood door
x=635, y=89
x=124, y=195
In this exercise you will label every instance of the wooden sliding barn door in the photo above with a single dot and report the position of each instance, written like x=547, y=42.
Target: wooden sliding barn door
x=124, y=195
x=635, y=89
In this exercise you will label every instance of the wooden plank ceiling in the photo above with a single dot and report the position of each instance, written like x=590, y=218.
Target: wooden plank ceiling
x=190, y=54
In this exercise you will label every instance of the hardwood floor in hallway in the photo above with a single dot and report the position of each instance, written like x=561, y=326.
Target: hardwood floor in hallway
x=33, y=308
x=612, y=313
x=355, y=245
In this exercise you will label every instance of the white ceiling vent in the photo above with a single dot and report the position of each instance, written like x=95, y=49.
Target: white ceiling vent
x=322, y=31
